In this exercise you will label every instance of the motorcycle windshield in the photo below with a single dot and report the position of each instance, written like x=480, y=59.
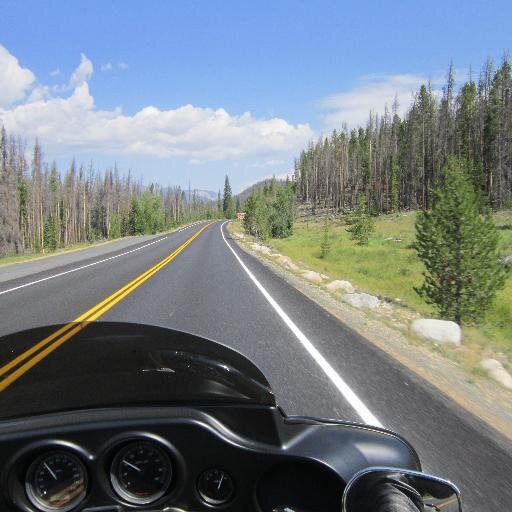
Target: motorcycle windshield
x=120, y=364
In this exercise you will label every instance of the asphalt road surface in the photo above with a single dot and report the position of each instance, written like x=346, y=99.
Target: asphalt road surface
x=316, y=365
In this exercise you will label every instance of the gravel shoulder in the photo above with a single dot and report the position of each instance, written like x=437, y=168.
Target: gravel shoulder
x=53, y=261
x=477, y=394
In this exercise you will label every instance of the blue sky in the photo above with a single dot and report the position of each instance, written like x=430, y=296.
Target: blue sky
x=193, y=90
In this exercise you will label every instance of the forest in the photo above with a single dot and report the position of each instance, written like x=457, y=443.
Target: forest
x=394, y=162
x=42, y=208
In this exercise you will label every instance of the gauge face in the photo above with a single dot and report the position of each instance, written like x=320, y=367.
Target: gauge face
x=56, y=481
x=215, y=486
x=141, y=472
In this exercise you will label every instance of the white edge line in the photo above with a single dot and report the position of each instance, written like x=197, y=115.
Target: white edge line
x=349, y=395
x=93, y=263
x=82, y=267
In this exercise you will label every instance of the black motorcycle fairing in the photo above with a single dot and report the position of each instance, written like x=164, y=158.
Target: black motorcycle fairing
x=269, y=459
x=112, y=363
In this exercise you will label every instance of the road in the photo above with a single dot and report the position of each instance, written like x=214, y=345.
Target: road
x=316, y=365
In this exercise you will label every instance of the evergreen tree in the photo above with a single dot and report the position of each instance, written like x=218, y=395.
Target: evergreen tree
x=256, y=220
x=326, y=245
x=361, y=224
x=281, y=213
x=458, y=247
x=49, y=235
x=227, y=205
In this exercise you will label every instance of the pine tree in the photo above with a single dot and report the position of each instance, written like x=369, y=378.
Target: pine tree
x=227, y=205
x=281, y=213
x=458, y=247
x=361, y=224
x=49, y=235
x=326, y=245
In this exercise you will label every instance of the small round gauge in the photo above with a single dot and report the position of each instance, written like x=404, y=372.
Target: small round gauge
x=56, y=481
x=141, y=472
x=215, y=486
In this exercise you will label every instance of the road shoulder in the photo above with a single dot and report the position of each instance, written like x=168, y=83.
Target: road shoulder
x=479, y=396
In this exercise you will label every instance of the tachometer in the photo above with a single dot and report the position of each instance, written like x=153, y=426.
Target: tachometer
x=141, y=472
x=56, y=481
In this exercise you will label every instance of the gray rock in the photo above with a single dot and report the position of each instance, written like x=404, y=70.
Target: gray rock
x=507, y=261
x=440, y=331
x=496, y=371
x=340, y=286
x=261, y=248
x=361, y=300
x=287, y=262
x=312, y=276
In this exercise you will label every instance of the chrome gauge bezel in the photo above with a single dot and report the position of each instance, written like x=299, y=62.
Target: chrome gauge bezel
x=119, y=488
x=32, y=494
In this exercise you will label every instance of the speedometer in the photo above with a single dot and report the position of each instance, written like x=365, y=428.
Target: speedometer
x=141, y=472
x=56, y=481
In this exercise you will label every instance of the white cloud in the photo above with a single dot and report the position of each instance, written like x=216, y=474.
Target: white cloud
x=55, y=72
x=14, y=79
x=106, y=67
x=82, y=73
x=268, y=163
x=372, y=94
x=73, y=123
x=122, y=65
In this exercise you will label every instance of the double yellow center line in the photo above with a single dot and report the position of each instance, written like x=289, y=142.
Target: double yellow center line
x=25, y=361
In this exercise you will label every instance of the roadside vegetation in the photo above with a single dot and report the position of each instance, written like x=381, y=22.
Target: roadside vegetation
x=43, y=209
x=270, y=211
x=389, y=267
x=415, y=209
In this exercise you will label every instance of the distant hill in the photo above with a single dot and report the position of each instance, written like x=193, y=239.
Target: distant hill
x=257, y=186
x=203, y=195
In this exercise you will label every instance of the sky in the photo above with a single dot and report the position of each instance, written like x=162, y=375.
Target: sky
x=180, y=91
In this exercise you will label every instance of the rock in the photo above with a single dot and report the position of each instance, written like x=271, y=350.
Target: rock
x=287, y=262
x=261, y=248
x=507, y=261
x=340, y=286
x=440, y=331
x=312, y=276
x=239, y=236
x=361, y=300
x=496, y=371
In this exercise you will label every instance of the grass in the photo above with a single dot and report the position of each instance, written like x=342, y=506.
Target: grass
x=21, y=258
x=389, y=267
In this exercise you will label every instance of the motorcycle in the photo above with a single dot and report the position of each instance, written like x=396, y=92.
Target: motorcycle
x=134, y=417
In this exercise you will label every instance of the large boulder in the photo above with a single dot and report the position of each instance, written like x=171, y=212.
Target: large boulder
x=439, y=331
x=312, y=276
x=340, y=286
x=507, y=261
x=361, y=300
x=261, y=248
x=287, y=262
x=496, y=371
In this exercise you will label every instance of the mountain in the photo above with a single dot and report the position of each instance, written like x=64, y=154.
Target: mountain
x=244, y=194
x=202, y=195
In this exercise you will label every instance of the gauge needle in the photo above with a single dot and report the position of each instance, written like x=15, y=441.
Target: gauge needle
x=50, y=471
x=132, y=465
x=220, y=482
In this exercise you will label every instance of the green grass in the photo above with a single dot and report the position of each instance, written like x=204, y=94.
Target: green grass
x=391, y=269
x=20, y=258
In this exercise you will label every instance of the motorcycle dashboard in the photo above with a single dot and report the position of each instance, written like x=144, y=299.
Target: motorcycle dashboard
x=175, y=458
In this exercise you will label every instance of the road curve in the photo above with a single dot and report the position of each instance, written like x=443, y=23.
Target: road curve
x=316, y=365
